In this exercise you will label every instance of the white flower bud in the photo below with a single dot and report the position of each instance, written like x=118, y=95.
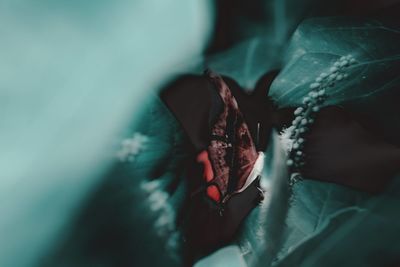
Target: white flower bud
x=344, y=63
x=306, y=100
x=313, y=94
x=298, y=111
x=314, y=85
x=315, y=109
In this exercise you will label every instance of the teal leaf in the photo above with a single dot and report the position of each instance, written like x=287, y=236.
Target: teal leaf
x=318, y=43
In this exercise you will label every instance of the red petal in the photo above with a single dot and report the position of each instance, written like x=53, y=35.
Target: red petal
x=203, y=158
x=213, y=193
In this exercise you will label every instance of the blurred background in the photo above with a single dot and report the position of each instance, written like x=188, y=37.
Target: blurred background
x=76, y=78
